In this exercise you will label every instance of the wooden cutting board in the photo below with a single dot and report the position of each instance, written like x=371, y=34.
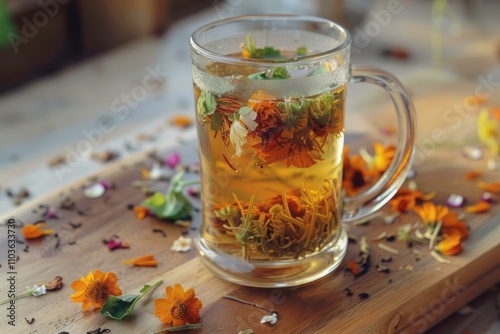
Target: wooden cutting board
x=402, y=301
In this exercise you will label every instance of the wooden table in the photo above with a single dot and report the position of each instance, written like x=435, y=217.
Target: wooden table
x=406, y=301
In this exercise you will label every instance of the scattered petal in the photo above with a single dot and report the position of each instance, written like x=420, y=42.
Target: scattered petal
x=94, y=190
x=55, y=284
x=117, y=244
x=493, y=187
x=472, y=152
x=31, y=231
x=271, y=319
x=472, y=175
x=438, y=258
x=181, y=121
x=412, y=185
x=51, y=214
x=478, y=208
x=181, y=244
x=455, y=200
x=450, y=246
x=143, y=261
x=388, y=249
x=141, y=212
x=489, y=197
x=173, y=160
x=408, y=267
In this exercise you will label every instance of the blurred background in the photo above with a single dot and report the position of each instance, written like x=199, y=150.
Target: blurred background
x=86, y=82
x=113, y=72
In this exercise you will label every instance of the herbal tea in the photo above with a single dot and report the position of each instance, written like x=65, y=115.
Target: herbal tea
x=272, y=171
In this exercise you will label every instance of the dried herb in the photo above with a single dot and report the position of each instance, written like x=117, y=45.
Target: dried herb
x=75, y=225
x=348, y=292
x=363, y=295
x=382, y=269
x=100, y=331
x=119, y=307
x=385, y=260
x=31, y=321
x=160, y=231
x=55, y=284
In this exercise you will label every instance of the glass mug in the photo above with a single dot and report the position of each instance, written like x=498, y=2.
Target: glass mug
x=270, y=94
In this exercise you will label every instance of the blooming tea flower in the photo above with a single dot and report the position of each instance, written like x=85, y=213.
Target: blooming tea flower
x=180, y=307
x=94, y=289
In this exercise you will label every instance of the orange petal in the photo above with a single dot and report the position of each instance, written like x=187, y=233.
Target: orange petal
x=31, y=231
x=146, y=263
x=478, y=208
x=142, y=259
x=472, y=174
x=178, y=292
x=490, y=187
x=450, y=245
x=181, y=121
x=353, y=266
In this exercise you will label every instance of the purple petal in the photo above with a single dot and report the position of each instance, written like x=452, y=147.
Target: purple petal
x=173, y=160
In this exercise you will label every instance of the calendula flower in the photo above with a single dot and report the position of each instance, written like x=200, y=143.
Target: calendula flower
x=180, y=307
x=381, y=159
x=453, y=226
x=450, y=246
x=143, y=261
x=247, y=117
x=238, y=136
x=354, y=172
x=431, y=213
x=94, y=289
x=406, y=199
x=33, y=231
x=487, y=130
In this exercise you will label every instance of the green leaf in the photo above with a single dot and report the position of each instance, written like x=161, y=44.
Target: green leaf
x=216, y=121
x=245, y=110
x=273, y=74
x=7, y=26
x=301, y=51
x=266, y=53
x=119, y=307
x=172, y=206
x=206, y=105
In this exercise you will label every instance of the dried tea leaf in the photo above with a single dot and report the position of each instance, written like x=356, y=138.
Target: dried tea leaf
x=53, y=285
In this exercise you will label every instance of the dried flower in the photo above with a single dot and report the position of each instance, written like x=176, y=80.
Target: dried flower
x=94, y=289
x=141, y=212
x=173, y=160
x=450, y=246
x=271, y=319
x=181, y=121
x=117, y=244
x=35, y=291
x=478, y=208
x=453, y=226
x=32, y=231
x=493, y=187
x=181, y=244
x=180, y=307
x=474, y=174
x=430, y=213
x=382, y=157
x=143, y=261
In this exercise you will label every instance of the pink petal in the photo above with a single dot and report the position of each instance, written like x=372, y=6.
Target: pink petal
x=173, y=160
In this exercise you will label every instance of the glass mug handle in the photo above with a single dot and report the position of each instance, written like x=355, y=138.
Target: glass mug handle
x=372, y=199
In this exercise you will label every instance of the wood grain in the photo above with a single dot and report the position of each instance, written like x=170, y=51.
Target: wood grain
x=402, y=301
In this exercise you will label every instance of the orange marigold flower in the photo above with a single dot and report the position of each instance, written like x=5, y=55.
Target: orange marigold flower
x=450, y=246
x=33, y=231
x=143, y=261
x=354, y=171
x=180, y=307
x=141, y=211
x=382, y=157
x=478, y=208
x=403, y=203
x=453, y=226
x=431, y=213
x=493, y=187
x=94, y=289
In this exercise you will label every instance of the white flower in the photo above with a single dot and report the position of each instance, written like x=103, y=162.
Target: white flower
x=238, y=136
x=271, y=319
x=181, y=244
x=249, y=119
x=37, y=290
x=157, y=172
